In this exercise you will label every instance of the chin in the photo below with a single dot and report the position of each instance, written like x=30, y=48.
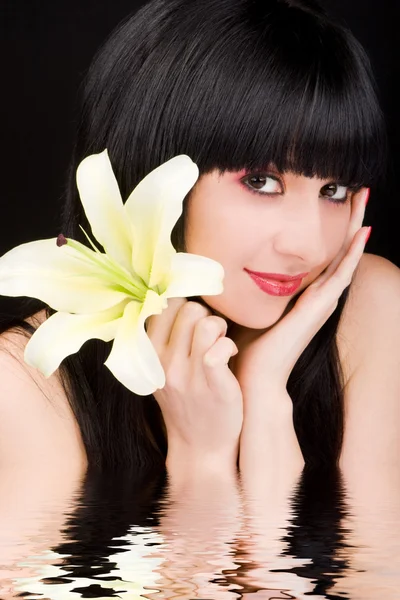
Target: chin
x=258, y=321
x=260, y=318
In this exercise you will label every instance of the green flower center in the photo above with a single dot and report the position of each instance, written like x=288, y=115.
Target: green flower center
x=118, y=278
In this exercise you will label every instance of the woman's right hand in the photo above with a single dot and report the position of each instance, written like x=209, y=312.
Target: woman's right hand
x=201, y=401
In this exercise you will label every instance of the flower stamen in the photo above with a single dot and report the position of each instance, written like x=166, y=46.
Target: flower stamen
x=61, y=240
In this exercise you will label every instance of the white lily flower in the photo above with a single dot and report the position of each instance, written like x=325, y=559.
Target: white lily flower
x=109, y=295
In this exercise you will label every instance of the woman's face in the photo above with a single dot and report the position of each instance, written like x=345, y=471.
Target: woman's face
x=296, y=227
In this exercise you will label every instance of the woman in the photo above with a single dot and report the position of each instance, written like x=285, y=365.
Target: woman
x=275, y=104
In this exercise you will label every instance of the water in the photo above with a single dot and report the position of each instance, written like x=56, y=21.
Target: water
x=119, y=536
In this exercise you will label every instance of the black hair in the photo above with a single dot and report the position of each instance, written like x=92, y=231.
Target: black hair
x=234, y=84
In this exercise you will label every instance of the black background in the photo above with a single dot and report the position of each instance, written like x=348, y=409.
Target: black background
x=46, y=47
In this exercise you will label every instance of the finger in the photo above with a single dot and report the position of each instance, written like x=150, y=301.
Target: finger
x=184, y=327
x=356, y=221
x=205, y=335
x=220, y=353
x=215, y=363
x=359, y=201
x=342, y=276
x=158, y=327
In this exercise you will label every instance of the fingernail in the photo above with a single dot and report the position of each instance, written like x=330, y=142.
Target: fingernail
x=368, y=234
x=367, y=193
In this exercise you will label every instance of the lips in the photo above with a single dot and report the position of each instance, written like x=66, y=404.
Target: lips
x=269, y=283
x=277, y=276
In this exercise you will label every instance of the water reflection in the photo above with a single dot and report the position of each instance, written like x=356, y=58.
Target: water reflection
x=124, y=536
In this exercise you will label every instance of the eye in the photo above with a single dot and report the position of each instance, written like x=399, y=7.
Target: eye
x=337, y=193
x=261, y=183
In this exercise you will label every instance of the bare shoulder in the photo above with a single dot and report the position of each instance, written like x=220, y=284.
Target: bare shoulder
x=372, y=312
x=36, y=419
x=369, y=337
x=15, y=372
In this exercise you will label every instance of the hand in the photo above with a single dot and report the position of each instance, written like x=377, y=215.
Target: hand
x=266, y=360
x=201, y=402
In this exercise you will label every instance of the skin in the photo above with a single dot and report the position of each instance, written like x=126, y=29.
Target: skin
x=196, y=398
x=57, y=434
x=302, y=230
x=295, y=229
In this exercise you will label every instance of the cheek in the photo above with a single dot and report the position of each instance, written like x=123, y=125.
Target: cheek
x=212, y=229
x=218, y=233
x=338, y=228
x=335, y=234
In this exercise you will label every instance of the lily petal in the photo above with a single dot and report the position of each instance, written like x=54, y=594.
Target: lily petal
x=133, y=359
x=194, y=275
x=63, y=334
x=57, y=276
x=153, y=208
x=101, y=199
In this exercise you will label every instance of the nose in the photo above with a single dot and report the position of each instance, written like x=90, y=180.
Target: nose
x=300, y=232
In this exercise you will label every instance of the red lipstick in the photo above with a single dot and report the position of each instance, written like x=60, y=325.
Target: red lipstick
x=277, y=284
x=278, y=276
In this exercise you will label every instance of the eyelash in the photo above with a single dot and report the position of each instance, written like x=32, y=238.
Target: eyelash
x=350, y=189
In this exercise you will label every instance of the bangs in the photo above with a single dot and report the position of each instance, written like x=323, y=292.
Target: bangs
x=289, y=100
x=308, y=129
x=244, y=86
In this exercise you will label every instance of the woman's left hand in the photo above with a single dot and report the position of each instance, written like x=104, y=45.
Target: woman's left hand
x=266, y=360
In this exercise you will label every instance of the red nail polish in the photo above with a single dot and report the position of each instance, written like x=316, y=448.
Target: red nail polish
x=368, y=234
x=367, y=196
